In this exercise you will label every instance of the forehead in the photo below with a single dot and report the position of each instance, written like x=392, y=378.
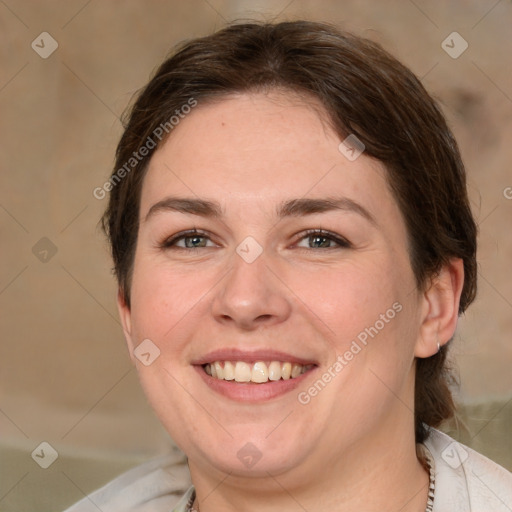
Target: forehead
x=259, y=148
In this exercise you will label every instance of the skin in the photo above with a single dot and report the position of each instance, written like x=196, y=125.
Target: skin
x=352, y=446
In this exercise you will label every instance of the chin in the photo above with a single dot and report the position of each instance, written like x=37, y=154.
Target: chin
x=253, y=463
x=252, y=455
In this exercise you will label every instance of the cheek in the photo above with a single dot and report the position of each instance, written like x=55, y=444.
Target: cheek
x=165, y=302
x=366, y=314
x=351, y=297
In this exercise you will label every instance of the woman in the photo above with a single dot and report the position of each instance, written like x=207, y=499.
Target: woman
x=293, y=243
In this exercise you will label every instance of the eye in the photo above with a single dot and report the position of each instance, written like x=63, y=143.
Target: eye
x=314, y=238
x=191, y=239
x=321, y=239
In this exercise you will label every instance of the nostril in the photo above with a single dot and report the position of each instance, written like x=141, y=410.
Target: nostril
x=263, y=318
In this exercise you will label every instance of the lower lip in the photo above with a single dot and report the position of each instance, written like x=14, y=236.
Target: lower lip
x=252, y=392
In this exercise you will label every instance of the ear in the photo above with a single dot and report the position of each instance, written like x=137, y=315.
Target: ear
x=126, y=321
x=440, y=308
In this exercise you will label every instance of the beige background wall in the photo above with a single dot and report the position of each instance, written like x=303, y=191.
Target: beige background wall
x=65, y=377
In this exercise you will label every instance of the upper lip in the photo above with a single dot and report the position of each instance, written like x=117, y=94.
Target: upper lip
x=252, y=356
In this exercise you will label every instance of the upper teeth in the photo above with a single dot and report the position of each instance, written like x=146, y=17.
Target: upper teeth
x=258, y=372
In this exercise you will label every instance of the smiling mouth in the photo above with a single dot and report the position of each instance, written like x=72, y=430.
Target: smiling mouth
x=259, y=372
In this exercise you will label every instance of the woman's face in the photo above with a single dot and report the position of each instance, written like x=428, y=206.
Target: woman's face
x=299, y=264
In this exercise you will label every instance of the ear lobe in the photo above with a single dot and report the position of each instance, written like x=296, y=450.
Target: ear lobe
x=441, y=308
x=126, y=322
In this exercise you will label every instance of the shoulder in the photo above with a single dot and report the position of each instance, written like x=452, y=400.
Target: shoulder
x=466, y=480
x=155, y=486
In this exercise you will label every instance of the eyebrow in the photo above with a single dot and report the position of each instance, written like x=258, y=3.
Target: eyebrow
x=309, y=206
x=291, y=208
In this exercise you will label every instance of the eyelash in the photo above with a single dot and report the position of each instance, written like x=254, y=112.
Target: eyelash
x=169, y=243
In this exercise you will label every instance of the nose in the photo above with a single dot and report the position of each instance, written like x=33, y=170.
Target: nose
x=251, y=295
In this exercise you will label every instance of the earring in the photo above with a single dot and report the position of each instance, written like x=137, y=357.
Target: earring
x=438, y=347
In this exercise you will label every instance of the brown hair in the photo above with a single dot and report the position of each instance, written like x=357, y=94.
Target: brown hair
x=366, y=92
